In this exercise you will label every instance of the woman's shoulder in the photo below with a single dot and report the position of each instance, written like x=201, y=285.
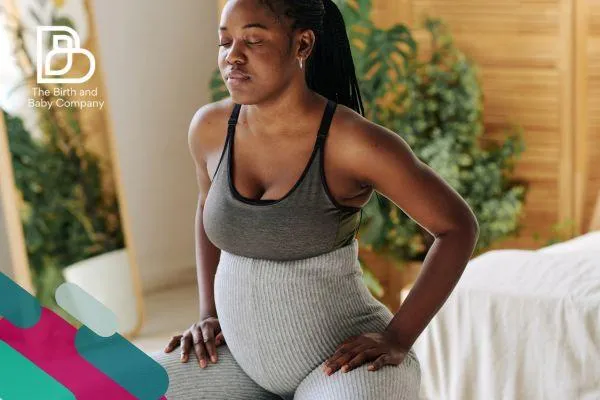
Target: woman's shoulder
x=208, y=126
x=349, y=129
x=210, y=114
x=355, y=141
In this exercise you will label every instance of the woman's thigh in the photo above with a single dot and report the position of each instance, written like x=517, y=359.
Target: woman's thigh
x=224, y=380
x=400, y=382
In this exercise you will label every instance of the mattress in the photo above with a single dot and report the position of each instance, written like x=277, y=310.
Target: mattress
x=520, y=324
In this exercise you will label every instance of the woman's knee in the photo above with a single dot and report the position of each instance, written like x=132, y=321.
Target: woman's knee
x=399, y=382
x=221, y=380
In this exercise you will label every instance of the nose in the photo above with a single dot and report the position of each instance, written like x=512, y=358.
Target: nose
x=235, y=54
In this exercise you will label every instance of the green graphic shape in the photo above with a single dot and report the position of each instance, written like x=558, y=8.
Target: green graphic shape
x=21, y=379
x=124, y=363
x=17, y=305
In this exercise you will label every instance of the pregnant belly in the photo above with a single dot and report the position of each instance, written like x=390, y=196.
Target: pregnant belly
x=282, y=319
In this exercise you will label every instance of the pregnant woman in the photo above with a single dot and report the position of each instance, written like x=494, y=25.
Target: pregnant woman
x=284, y=166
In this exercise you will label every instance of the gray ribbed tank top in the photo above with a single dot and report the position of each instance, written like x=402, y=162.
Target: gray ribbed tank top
x=306, y=222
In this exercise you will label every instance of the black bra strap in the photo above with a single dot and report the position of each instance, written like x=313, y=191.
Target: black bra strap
x=233, y=118
x=327, y=117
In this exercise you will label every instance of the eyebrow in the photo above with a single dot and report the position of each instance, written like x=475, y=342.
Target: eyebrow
x=252, y=25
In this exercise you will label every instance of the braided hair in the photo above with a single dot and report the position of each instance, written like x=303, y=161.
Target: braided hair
x=329, y=68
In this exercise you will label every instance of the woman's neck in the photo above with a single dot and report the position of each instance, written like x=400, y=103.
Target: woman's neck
x=290, y=108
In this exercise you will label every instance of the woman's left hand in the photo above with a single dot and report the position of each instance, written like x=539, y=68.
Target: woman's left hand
x=379, y=347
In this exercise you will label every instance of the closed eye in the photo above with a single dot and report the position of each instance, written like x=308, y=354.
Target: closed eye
x=250, y=43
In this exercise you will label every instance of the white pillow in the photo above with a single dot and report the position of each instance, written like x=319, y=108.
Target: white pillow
x=587, y=242
x=534, y=274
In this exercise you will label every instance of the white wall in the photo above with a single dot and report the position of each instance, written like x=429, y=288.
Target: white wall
x=156, y=57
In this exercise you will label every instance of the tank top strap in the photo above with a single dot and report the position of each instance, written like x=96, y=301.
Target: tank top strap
x=230, y=130
x=326, y=120
x=233, y=118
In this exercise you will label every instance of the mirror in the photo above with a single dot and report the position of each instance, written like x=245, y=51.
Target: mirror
x=64, y=214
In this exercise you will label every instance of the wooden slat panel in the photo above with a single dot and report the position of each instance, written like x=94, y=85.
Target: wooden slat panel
x=539, y=139
x=592, y=187
x=527, y=97
x=593, y=10
x=388, y=13
x=500, y=50
x=510, y=51
x=566, y=69
x=508, y=17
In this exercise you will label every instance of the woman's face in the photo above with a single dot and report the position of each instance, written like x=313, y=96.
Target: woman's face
x=256, y=45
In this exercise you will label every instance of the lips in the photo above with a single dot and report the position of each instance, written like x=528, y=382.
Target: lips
x=237, y=75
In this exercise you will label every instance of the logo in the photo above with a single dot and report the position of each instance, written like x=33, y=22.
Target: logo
x=62, y=44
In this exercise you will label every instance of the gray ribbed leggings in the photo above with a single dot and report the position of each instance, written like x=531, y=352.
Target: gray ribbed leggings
x=281, y=320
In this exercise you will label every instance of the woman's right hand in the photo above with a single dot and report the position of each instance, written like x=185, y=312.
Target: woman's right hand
x=204, y=336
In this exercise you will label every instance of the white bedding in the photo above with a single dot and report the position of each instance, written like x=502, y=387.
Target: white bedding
x=519, y=325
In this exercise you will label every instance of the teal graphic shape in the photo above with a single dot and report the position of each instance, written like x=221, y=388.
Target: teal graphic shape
x=89, y=311
x=124, y=363
x=21, y=379
x=17, y=305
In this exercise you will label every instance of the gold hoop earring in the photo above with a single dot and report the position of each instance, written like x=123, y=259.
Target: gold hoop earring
x=300, y=63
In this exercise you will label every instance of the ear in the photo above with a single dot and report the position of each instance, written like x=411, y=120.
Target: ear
x=305, y=42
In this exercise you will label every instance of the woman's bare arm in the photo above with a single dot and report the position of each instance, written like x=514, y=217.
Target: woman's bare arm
x=207, y=254
x=381, y=159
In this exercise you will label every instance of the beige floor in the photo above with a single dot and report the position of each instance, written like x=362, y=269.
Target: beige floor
x=168, y=312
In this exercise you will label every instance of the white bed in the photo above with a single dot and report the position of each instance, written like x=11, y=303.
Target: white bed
x=520, y=324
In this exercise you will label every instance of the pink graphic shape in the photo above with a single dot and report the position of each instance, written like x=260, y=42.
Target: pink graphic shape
x=50, y=344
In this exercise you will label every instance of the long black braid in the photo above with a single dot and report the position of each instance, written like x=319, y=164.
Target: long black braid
x=329, y=68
